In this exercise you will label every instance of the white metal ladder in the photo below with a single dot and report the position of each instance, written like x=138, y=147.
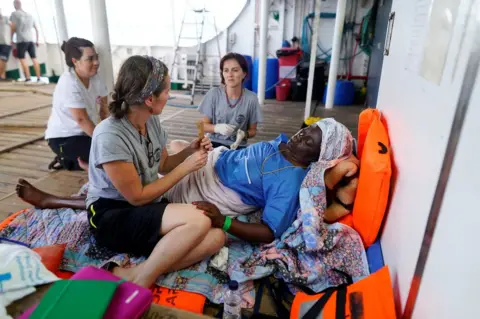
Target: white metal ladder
x=180, y=63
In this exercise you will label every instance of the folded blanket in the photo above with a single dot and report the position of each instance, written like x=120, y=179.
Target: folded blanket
x=43, y=227
x=204, y=185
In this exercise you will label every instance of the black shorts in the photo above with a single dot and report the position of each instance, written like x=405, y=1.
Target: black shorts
x=5, y=52
x=124, y=228
x=69, y=149
x=23, y=47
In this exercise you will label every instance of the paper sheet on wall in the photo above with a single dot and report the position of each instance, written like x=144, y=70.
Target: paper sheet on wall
x=418, y=31
x=443, y=14
x=431, y=31
x=463, y=17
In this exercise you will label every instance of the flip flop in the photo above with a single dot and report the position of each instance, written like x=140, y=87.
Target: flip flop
x=55, y=164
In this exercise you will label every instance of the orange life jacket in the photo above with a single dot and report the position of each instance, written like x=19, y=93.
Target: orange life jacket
x=369, y=298
x=374, y=180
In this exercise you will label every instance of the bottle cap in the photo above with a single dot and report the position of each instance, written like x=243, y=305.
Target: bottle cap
x=233, y=285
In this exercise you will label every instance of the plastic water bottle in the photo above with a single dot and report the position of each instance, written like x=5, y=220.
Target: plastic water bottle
x=231, y=308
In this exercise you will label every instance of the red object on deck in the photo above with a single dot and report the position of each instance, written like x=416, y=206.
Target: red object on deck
x=288, y=58
x=282, y=90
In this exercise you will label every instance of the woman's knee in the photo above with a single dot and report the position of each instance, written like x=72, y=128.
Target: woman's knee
x=218, y=240
x=184, y=215
x=200, y=221
x=197, y=220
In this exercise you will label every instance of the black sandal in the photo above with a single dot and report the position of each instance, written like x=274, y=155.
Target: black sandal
x=55, y=164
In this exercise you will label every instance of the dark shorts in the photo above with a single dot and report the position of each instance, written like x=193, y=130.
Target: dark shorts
x=23, y=47
x=5, y=51
x=68, y=149
x=124, y=228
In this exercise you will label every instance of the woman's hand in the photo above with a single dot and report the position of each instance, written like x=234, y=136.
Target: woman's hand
x=195, y=161
x=346, y=193
x=205, y=144
x=224, y=129
x=240, y=136
x=212, y=212
x=343, y=170
x=342, y=180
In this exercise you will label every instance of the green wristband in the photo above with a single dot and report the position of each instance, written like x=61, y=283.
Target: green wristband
x=227, y=223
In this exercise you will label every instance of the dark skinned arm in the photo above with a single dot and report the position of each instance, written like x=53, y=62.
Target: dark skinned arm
x=255, y=233
x=251, y=232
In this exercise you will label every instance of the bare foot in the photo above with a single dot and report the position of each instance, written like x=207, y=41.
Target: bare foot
x=132, y=274
x=124, y=273
x=31, y=194
x=83, y=165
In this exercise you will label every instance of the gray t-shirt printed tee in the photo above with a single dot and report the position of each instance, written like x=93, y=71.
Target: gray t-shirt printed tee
x=4, y=30
x=24, y=24
x=244, y=114
x=117, y=140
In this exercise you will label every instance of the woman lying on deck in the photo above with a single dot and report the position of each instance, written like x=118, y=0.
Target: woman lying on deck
x=265, y=175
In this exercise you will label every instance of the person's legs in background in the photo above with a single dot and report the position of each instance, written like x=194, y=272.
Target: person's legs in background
x=21, y=50
x=33, y=55
x=4, y=54
x=72, y=152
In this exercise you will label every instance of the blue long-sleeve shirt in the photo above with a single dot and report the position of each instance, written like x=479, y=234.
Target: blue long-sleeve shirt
x=274, y=188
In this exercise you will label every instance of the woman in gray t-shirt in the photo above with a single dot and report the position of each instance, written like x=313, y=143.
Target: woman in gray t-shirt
x=231, y=112
x=126, y=209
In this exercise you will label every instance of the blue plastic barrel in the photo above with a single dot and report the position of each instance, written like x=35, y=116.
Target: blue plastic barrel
x=247, y=83
x=272, y=77
x=344, y=93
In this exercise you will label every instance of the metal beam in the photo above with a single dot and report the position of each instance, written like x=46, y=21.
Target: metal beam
x=101, y=39
x=337, y=40
x=262, y=58
x=313, y=59
x=61, y=22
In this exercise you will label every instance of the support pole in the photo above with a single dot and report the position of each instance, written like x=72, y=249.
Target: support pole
x=101, y=39
x=337, y=40
x=61, y=21
x=262, y=58
x=313, y=59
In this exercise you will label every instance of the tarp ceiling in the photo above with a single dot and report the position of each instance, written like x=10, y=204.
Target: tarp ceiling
x=133, y=23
